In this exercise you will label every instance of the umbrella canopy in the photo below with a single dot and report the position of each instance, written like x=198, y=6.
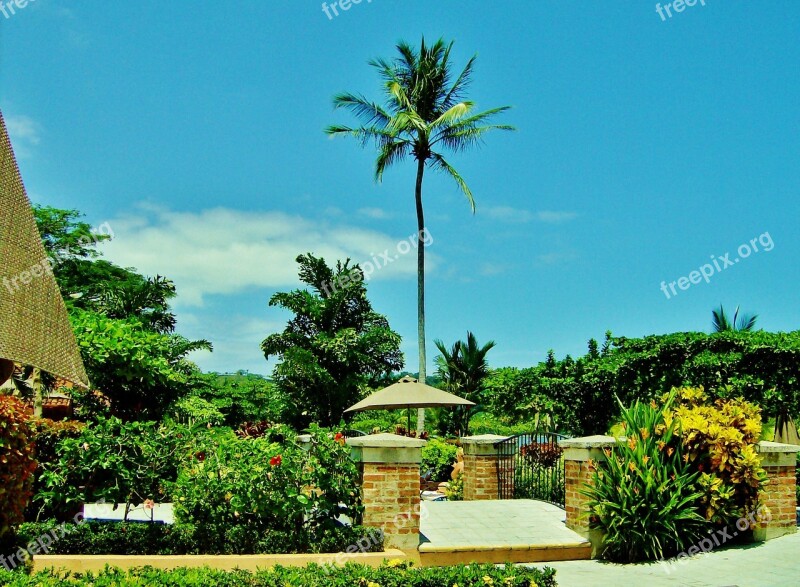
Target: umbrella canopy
x=785, y=430
x=408, y=393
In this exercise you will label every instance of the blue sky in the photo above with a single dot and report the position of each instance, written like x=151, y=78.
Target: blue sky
x=644, y=147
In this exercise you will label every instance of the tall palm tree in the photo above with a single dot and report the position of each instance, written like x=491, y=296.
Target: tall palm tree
x=425, y=112
x=721, y=323
x=462, y=370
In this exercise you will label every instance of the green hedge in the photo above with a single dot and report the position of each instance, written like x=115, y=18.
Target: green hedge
x=398, y=574
x=160, y=539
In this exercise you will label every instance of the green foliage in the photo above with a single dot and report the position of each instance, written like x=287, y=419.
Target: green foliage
x=121, y=463
x=17, y=463
x=243, y=397
x=643, y=497
x=761, y=367
x=455, y=488
x=334, y=348
x=439, y=457
x=392, y=574
x=136, y=538
x=47, y=435
x=140, y=371
x=195, y=411
x=244, y=488
x=463, y=369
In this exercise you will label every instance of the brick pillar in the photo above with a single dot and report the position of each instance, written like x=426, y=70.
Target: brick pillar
x=577, y=473
x=481, y=461
x=389, y=466
x=779, y=462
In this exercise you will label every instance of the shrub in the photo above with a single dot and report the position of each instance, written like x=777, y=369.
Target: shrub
x=135, y=538
x=644, y=495
x=196, y=411
x=391, y=574
x=17, y=464
x=439, y=457
x=47, y=435
x=719, y=439
x=241, y=489
x=797, y=478
x=455, y=489
x=122, y=463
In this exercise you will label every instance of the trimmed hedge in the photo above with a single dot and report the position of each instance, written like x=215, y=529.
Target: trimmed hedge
x=136, y=538
x=392, y=574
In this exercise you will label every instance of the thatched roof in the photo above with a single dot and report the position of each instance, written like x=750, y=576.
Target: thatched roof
x=34, y=326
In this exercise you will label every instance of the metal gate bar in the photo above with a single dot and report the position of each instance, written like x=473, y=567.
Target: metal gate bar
x=531, y=466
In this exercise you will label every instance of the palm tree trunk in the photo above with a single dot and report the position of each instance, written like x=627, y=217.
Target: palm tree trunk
x=38, y=398
x=421, y=287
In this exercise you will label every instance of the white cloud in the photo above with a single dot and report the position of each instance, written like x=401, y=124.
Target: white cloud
x=556, y=258
x=519, y=216
x=25, y=134
x=222, y=251
x=555, y=217
x=374, y=213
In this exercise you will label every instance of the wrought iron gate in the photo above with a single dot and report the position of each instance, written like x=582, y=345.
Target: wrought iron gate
x=531, y=466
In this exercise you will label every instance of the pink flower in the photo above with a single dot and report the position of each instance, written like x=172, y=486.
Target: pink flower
x=276, y=461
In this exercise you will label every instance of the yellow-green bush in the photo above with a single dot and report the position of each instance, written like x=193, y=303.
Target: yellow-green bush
x=719, y=438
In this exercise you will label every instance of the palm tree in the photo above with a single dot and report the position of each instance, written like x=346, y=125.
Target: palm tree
x=425, y=111
x=462, y=370
x=721, y=323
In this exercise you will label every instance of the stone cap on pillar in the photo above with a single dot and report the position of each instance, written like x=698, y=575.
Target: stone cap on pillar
x=776, y=454
x=586, y=448
x=386, y=448
x=482, y=445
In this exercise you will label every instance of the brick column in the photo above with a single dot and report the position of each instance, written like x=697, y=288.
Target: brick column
x=481, y=461
x=389, y=466
x=577, y=473
x=779, y=462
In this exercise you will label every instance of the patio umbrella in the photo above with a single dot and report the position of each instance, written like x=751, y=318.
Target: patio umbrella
x=34, y=326
x=406, y=394
x=785, y=430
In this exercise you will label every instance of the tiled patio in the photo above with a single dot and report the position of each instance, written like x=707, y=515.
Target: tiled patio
x=498, y=531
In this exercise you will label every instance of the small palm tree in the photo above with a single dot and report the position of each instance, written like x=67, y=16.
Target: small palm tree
x=462, y=370
x=425, y=111
x=721, y=323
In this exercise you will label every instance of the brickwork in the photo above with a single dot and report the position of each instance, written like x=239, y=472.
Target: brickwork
x=780, y=498
x=480, y=478
x=391, y=498
x=390, y=484
x=576, y=475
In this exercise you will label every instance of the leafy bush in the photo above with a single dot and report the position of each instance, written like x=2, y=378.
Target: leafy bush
x=720, y=441
x=196, y=411
x=644, y=496
x=797, y=479
x=439, y=457
x=125, y=463
x=47, y=435
x=17, y=463
x=391, y=574
x=241, y=489
x=455, y=489
x=135, y=538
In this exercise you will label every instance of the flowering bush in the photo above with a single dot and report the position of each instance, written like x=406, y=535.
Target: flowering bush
x=438, y=457
x=244, y=488
x=644, y=495
x=17, y=463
